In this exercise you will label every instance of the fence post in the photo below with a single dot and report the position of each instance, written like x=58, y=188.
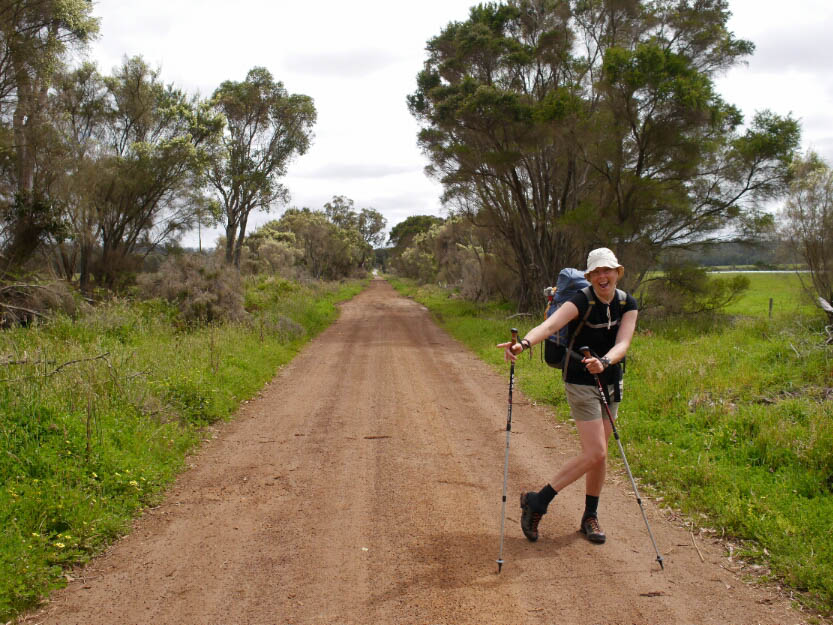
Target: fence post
x=770, y=308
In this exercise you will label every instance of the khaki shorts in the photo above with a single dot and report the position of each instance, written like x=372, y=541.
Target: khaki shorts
x=585, y=404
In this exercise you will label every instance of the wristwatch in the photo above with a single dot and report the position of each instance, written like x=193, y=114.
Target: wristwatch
x=605, y=361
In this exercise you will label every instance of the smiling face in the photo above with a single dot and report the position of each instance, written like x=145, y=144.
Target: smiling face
x=604, y=281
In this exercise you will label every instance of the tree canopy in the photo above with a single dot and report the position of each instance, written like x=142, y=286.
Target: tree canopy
x=403, y=232
x=34, y=37
x=563, y=125
x=266, y=127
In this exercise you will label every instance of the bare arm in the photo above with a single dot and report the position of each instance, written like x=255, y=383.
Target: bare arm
x=623, y=337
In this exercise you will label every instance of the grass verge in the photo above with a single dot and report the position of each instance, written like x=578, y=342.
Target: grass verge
x=726, y=418
x=98, y=413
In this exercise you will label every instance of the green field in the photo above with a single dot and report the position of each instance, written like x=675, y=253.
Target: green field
x=784, y=289
x=99, y=412
x=728, y=418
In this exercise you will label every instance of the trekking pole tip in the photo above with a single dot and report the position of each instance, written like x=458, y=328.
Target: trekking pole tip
x=661, y=565
x=499, y=565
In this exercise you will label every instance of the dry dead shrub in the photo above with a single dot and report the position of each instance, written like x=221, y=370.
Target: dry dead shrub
x=22, y=303
x=203, y=288
x=282, y=327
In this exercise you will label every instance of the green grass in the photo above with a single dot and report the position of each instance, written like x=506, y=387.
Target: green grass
x=98, y=413
x=784, y=289
x=728, y=418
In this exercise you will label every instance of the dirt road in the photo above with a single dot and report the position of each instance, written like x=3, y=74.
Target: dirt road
x=363, y=486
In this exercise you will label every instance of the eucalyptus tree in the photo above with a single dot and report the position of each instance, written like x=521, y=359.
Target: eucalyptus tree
x=155, y=142
x=565, y=124
x=368, y=222
x=329, y=251
x=266, y=127
x=403, y=233
x=35, y=36
x=371, y=226
x=78, y=108
x=341, y=211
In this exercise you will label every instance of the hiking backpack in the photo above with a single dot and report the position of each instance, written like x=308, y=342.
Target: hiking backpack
x=570, y=281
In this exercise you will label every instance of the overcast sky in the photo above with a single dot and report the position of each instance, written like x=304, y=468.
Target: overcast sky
x=358, y=60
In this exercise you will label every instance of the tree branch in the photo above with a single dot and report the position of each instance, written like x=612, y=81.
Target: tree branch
x=58, y=368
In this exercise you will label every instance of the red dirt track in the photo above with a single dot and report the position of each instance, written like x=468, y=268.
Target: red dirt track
x=363, y=486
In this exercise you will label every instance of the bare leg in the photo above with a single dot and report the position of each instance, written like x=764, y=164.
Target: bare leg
x=595, y=476
x=593, y=436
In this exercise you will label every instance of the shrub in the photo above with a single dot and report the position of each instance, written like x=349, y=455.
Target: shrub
x=203, y=288
x=272, y=256
x=687, y=289
x=22, y=303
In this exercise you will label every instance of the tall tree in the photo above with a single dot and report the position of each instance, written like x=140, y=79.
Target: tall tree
x=369, y=223
x=156, y=141
x=565, y=124
x=403, y=233
x=35, y=35
x=329, y=252
x=371, y=226
x=340, y=210
x=265, y=129
x=79, y=105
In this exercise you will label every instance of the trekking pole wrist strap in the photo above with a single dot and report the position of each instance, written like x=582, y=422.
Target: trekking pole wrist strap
x=525, y=344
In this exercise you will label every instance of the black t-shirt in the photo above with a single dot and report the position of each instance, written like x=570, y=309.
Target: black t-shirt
x=598, y=333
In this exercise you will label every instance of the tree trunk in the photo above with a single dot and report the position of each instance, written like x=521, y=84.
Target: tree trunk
x=84, y=272
x=241, y=237
x=231, y=237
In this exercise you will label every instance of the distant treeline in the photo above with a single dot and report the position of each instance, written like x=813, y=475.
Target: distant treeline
x=763, y=254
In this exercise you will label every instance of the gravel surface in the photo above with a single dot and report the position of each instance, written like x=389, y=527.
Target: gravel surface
x=363, y=486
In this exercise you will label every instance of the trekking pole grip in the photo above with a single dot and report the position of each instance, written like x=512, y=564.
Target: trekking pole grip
x=514, y=332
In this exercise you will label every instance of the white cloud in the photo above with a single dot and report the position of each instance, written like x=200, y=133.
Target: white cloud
x=789, y=71
x=348, y=65
x=355, y=170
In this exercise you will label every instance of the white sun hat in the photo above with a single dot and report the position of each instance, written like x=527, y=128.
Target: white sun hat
x=603, y=257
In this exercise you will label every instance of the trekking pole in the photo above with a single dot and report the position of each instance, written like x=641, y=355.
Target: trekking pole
x=506, y=455
x=587, y=353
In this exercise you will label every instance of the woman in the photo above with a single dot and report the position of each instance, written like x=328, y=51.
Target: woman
x=607, y=329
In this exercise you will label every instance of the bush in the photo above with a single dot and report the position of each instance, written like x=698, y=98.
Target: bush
x=203, y=288
x=687, y=289
x=272, y=256
x=22, y=303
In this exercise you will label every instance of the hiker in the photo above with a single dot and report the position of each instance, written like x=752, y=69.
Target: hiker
x=607, y=329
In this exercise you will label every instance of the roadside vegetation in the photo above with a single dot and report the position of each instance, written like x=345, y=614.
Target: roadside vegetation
x=100, y=412
x=728, y=419
x=546, y=148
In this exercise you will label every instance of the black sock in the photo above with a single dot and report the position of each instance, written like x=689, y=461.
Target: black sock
x=591, y=506
x=544, y=496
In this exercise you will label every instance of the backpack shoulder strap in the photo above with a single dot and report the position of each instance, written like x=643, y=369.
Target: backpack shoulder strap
x=588, y=293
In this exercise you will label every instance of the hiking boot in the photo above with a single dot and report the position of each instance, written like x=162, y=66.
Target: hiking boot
x=590, y=527
x=529, y=518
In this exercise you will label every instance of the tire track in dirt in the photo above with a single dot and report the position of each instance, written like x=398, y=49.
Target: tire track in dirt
x=363, y=486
